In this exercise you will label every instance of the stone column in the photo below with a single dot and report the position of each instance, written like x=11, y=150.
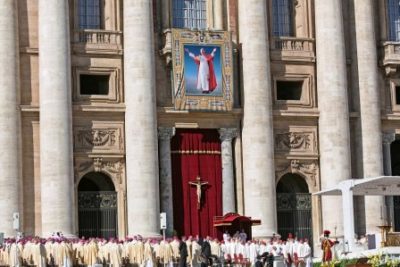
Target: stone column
x=9, y=117
x=257, y=133
x=334, y=133
x=140, y=119
x=164, y=144
x=370, y=110
x=387, y=139
x=56, y=151
x=228, y=177
x=369, y=106
x=218, y=11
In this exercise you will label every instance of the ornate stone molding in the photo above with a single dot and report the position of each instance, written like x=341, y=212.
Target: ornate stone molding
x=98, y=139
x=166, y=133
x=296, y=142
x=307, y=168
x=166, y=51
x=115, y=168
x=388, y=138
x=227, y=134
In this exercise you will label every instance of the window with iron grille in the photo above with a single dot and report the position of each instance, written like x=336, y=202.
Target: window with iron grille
x=191, y=14
x=282, y=14
x=90, y=14
x=393, y=11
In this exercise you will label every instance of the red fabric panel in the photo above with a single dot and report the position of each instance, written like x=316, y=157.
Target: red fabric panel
x=196, y=152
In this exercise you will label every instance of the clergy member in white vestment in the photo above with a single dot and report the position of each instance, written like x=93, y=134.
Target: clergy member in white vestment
x=38, y=253
x=307, y=253
x=175, y=248
x=241, y=251
x=148, y=256
x=15, y=255
x=295, y=253
x=226, y=236
x=253, y=253
x=114, y=252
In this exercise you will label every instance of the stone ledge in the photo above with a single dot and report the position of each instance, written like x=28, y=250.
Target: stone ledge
x=120, y=108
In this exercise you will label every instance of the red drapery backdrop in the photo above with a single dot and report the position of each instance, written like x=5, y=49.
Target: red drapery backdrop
x=196, y=153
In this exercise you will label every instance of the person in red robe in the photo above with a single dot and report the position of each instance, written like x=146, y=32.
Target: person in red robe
x=326, y=246
x=206, y=79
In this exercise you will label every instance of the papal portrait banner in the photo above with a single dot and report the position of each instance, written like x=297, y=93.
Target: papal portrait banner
x=202, y=70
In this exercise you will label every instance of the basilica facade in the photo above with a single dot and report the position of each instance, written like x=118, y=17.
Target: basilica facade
x=113, y=111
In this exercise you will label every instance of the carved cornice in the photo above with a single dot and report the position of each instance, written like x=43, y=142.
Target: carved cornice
x=227, y=134
x=166, y=133
x=296, y=142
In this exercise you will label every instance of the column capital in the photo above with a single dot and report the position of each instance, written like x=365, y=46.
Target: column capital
x=388, y=138
x=166, y=133
x=226, y=134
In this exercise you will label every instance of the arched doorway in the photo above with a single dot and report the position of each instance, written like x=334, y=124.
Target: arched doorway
x=293, y=202
x=97, y=206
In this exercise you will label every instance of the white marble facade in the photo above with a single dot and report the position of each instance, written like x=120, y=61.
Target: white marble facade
x=339, y=126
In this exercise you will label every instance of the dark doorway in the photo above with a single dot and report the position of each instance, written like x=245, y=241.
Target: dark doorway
x=97, y=206
x=395, y=160
x=293, y=202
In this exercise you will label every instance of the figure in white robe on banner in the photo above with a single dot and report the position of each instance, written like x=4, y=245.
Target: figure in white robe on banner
x=206, y=79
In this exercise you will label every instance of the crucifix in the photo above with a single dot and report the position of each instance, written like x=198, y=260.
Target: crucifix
x=198, y=185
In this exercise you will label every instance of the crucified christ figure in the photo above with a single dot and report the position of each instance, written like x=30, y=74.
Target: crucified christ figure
x=198, y=185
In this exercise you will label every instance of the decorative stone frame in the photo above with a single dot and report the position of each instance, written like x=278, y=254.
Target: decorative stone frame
x=306, y=168
x=307, y=94
x=112, y=15
x=114, y=168
x=302, y=18
x=215, y=10
x=183, y=101
x=114, y=94
x=309, y=170
x=296, y=140
x=395, y=108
